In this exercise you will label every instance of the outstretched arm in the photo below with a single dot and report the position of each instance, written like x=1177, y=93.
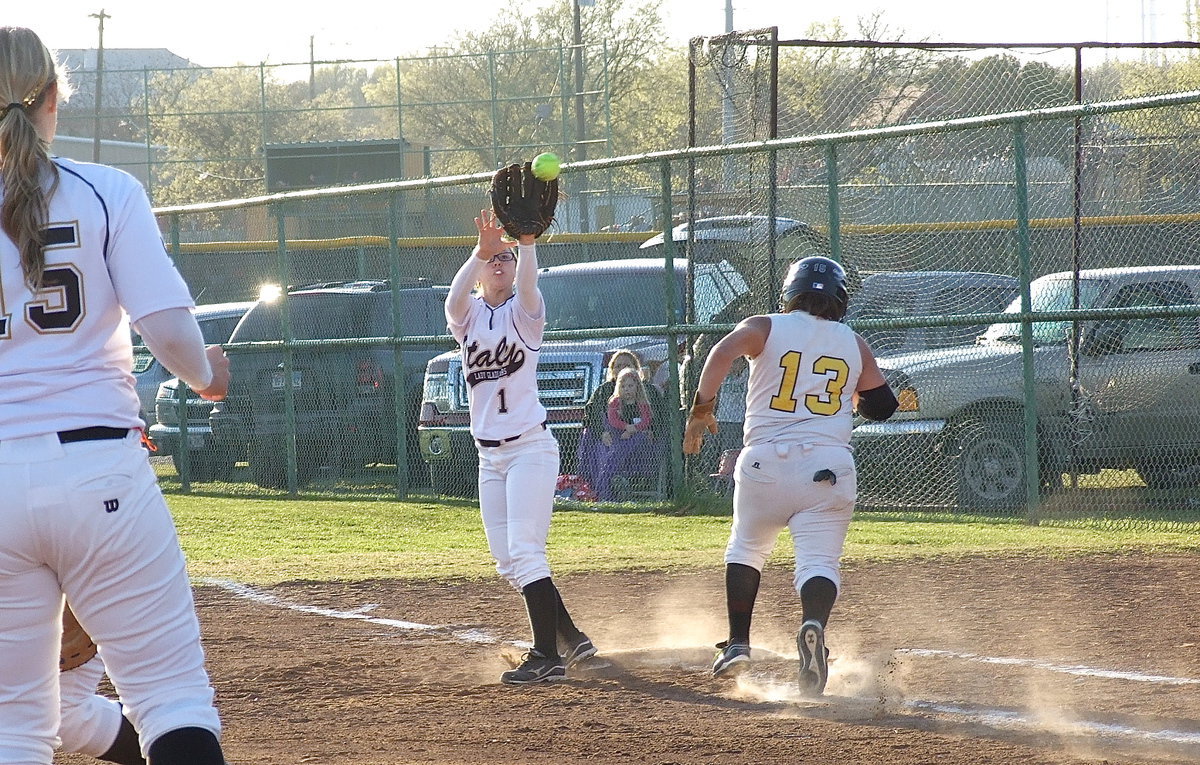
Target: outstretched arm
x=458, y=300
x=747, y=339
x=873, y=398
x=527, y=275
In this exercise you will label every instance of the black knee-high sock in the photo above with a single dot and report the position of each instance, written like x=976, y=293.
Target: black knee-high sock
x=566, y=627
x=741, y=589
x=186, y=746
x=541, y=601
x=817, y=596
x=125, y=749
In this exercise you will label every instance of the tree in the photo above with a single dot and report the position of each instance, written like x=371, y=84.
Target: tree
x=489, y=96
x=216, y=122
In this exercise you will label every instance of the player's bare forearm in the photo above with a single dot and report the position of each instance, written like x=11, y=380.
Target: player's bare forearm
x=527, y=276
x=458, y=299
x=716, y=368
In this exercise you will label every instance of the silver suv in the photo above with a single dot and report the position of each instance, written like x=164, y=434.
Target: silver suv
x=600, y=295
x=960, y=427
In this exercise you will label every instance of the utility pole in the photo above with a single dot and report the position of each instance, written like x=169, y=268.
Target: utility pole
x=580, y=121
x=101, y=16
x=312, y=68
x=728, y=123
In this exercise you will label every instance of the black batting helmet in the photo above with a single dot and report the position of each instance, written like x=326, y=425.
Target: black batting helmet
x=817, y=285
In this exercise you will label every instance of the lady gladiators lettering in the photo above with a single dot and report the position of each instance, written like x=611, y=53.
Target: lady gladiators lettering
x=493, y=364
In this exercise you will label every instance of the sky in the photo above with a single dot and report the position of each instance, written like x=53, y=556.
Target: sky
x=226, y=32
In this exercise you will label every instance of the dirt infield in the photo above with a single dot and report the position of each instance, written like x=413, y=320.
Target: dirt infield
x=983, y=660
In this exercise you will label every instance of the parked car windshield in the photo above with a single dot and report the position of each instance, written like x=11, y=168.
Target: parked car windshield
x=609, y=300
x=606, y=300
x=1048, y=295
x=883, y=297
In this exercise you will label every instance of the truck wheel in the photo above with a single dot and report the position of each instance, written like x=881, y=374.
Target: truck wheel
x=268, y=465
x=991, y=466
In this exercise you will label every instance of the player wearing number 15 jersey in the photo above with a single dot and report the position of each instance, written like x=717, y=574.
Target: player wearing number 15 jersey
x=808, y=372
x=500, y=331
x=82, y=516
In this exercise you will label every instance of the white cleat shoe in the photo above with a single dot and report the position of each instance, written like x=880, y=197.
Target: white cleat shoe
x=814, y=658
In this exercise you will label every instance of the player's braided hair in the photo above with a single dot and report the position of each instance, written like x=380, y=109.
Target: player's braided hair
x=27, y=74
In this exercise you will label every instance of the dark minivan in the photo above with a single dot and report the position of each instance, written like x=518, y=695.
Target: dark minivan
x=345, y=407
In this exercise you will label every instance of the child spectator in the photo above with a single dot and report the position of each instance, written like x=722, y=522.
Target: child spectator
x=630, y=419
x=596, y=438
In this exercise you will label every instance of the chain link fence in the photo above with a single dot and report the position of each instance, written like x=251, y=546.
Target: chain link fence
x=195, y=133
x=1039, y=325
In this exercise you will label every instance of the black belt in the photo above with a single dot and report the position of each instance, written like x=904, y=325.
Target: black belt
x=492, y=444
x=95, y=433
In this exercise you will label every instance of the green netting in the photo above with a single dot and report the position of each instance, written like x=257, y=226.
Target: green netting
x=1085, y=410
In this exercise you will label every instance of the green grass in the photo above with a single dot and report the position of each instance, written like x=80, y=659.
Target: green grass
x=264, y=541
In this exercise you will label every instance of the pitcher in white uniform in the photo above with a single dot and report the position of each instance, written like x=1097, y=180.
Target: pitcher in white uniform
x=808, y=372
x=82, y=515
x=499, y=328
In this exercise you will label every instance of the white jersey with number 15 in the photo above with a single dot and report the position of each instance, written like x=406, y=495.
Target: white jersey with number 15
x=68, y=343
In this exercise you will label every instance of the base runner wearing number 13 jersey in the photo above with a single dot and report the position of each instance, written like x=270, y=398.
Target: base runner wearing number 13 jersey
x=808, y=372
x=500, y=332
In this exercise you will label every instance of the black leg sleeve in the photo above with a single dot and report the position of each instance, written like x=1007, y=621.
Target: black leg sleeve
x=186, y=746
x=541, y=601
x=566, y=626
x=817, y=596
x=741, y=590
x=125, y=749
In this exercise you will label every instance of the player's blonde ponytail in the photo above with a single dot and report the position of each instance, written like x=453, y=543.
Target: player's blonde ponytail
x=27, y=74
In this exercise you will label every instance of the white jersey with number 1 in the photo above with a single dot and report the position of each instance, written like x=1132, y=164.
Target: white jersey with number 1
x=500, y=354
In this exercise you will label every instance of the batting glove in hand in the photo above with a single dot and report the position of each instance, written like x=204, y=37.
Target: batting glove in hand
x=700, y=419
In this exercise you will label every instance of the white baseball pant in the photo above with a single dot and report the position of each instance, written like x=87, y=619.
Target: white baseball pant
x=774, y=490
x=516, y=500
x=89, y=722
x=87, y=519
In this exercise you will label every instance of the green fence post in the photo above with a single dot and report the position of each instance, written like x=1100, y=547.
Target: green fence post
x=835, y=211
x=675, y=444
x=400, y=117
x=772, y=211
x=149, y=145
x=1021, y=180
x=491, y=61
x=262, y=124
x=399, y=398
x=181, y=391
x=285, y=314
